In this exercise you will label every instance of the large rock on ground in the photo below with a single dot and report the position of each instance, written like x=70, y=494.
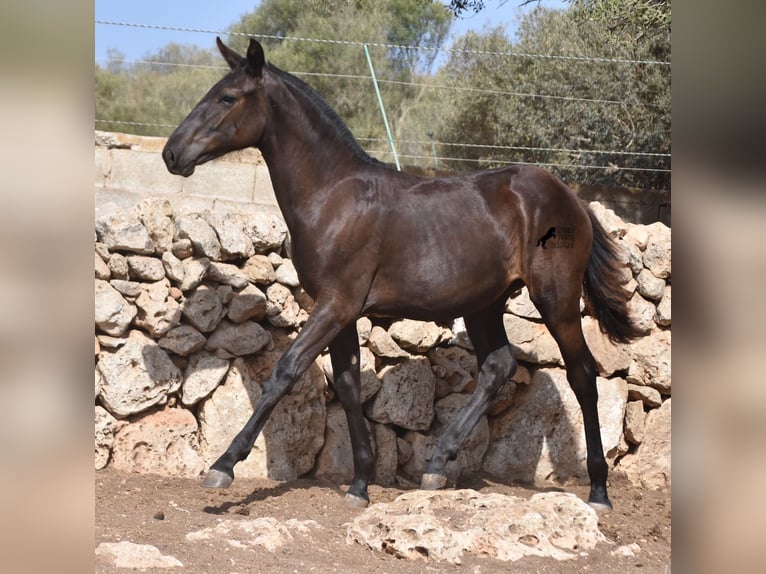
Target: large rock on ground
x=649, y=467
x=164, y=442
x=445, y=525
x=541, y=438
x=292, y=437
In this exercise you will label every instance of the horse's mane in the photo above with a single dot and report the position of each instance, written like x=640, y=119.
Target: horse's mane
x=328, y=114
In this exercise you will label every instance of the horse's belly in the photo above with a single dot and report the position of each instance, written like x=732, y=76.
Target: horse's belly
x=438, y=289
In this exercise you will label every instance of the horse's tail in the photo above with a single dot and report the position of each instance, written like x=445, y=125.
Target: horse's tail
x=604, y=289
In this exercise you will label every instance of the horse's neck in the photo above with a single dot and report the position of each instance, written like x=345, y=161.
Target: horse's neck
x=304, y=154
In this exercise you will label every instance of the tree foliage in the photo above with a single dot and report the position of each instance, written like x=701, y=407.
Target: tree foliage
x=528, y=102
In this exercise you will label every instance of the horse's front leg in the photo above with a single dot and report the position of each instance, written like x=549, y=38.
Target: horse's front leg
x=324, y=324
x=344, y=352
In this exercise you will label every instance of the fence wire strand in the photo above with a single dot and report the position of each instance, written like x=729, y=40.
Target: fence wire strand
x=434, y=156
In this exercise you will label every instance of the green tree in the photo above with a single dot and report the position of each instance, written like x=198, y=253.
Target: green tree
x=528, y=102
x=142, y=97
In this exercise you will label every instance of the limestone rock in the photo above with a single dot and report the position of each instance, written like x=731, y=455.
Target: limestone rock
x=106, y=426
x=156, y=215
x=650, y=286
x=174, y=268
x=647, y=395
x=650, y=466
x=158, y=312
x=200, y=233
x=386, y=454
x=635, y=419
x=126, y=554
x=113, y=314
x=238, y=340
x=657, y=255
x=118, y=266
x=642, y=312
x=203, y=309
x=651, y=361
x=611, y=222
x=664, y=314
x=129, y=289
x=522, y=306
x=137, y=376
x=263, y=532
x=406, y=395
x=610, y=357
x=363, y=328
x=124, y=232
x=267, y=231
x=230, y=229
x=202, y=375
x=101, y=268
x=163, y=442
x=259, y=269
x=182, y=248
x=182, y=340
x=194, y=271
x=249, y=303
x=531, y=341
x=227, y=274
x=445, y=525
x=383, y=345
x=287, y=275
x=417, y=336
x=455, y=369
x=143, y=268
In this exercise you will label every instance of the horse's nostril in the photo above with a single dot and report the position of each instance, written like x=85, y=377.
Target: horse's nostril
x=168, y=155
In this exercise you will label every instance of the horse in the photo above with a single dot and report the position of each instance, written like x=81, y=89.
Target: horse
x=369, y=240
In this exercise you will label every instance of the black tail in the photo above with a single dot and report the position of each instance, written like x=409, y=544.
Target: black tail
x=604, y=287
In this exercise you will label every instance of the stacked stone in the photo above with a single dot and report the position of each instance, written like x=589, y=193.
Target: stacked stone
x=193, y=310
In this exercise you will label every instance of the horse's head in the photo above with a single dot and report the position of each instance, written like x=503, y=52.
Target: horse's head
x=231, y=116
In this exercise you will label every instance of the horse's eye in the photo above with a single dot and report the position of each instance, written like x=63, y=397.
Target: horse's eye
x=227, y=100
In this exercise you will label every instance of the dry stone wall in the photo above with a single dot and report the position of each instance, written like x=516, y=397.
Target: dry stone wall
x=193, y=309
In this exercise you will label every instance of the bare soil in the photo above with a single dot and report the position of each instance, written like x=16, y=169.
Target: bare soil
x=149, y=509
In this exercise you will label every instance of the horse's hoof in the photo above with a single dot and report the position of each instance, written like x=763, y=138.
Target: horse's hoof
x=600, y=507
x=217, y=479
x=433, y=481
x=354, y=501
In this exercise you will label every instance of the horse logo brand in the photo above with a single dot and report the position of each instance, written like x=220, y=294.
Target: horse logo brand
x=557, y=237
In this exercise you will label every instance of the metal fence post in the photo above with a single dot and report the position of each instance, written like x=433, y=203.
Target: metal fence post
x=382, y=109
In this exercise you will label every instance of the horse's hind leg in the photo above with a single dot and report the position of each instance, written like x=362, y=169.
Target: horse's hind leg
x=496, y=366
x=559, y=307
x=344, y=352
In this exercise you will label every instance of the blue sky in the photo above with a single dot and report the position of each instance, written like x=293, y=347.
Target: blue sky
x=136, y=43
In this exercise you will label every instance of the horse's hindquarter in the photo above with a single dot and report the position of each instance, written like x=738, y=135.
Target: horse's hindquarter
x=448, y=246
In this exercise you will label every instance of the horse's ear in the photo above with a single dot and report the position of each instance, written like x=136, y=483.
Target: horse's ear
x=255, y=59
x=232, y=58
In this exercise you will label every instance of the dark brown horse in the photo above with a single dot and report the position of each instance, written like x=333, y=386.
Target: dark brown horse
x=370, y=240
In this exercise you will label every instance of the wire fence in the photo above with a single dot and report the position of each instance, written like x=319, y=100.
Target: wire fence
x=423, y=152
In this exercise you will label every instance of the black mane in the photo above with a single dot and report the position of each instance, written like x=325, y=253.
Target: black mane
x=328, y=114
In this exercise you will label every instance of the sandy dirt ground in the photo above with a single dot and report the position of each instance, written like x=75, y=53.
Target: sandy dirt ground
x=160, y=511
